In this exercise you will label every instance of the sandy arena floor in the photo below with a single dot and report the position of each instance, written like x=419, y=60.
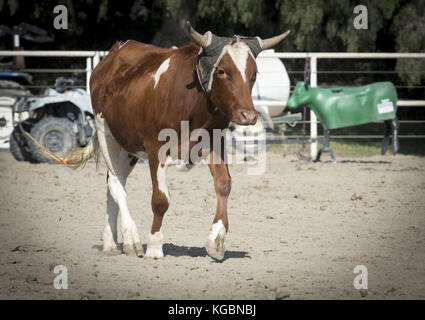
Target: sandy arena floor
x=296, y=232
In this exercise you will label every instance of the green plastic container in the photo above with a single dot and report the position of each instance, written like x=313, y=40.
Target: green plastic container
x=344, y=107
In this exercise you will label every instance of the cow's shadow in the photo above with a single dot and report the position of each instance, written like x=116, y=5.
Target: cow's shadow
x=365, y=161
x=173, y=250
x=194, y=252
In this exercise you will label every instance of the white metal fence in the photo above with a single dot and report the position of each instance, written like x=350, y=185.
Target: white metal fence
x=92, y=58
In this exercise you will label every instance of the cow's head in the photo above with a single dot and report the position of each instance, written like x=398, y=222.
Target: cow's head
x=300, y=96
x=227, y=71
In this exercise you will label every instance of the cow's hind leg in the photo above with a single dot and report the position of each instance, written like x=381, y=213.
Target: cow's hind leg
x=120, y=163
x=109, y=236
x=160, y=203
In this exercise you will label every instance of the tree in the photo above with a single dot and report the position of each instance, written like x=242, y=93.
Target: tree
x=319, y=25
x=409, y=30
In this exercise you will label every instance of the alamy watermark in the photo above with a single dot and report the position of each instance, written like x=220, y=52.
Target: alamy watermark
x=61, y=20
x=361, y=20
x=361, y=280
x=195, y=146
x=61, y=280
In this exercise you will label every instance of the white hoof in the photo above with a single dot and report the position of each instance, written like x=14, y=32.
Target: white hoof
x=131, y=249
x=132, y=244
x=215, y=242
x=154, y=247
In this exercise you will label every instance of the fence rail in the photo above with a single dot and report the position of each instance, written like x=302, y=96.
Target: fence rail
x=93, y=58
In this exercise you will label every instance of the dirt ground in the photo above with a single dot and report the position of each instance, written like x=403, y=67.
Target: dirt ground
x=296, y=232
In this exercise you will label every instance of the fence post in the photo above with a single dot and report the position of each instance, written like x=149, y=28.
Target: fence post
x=88, y=72
x=96, y=59
x=313, y=119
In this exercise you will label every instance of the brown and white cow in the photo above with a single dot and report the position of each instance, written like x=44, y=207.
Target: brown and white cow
x=139, y=89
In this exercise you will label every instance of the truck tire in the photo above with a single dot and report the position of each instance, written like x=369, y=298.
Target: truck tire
x=18, y=146
x=56, y=134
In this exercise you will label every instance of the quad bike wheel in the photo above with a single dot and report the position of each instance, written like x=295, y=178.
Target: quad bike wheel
x=56, y=134
x=18, y=146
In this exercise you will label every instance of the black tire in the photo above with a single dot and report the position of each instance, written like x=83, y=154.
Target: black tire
x=56, y=134
x=18, y=146
x=12, y=89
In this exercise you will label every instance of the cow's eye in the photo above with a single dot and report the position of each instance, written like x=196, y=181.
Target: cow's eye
x=254, y=77
x=220, y=72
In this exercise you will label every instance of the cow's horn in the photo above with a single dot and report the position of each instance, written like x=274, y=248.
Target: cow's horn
x=271, y=42
x=198, y=38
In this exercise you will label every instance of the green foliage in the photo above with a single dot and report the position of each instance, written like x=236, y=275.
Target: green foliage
x=316, y=25
x=230, y=12
x=103, y=11
x=327, y=25
x=409, y=28
x=13, y=6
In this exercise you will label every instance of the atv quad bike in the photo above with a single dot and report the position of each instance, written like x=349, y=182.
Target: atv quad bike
x=60, y=120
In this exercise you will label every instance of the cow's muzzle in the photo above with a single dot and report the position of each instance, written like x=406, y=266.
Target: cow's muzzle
x=246, y=117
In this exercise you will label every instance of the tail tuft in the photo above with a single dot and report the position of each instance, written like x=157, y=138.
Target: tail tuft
x=75, y=159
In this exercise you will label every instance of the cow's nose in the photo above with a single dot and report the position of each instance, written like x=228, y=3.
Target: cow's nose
x=248, y=117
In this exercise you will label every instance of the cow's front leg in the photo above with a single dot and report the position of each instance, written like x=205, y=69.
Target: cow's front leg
x=222, y=184
x=160, y=203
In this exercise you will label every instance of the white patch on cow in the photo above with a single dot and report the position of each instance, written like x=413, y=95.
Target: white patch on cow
x=118, y=165
x=154, y=246
x=109, y=235
x=217, y=230
x=119, y=47
x=215, y=241
x=161, y=177
x=141, y=155
x=239, y=54
x=116, y=186
x=101, y=125
x=162, y=68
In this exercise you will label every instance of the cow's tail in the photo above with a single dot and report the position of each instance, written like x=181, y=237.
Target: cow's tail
x=76, y=158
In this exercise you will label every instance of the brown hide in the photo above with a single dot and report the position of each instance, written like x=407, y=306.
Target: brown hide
x=122, y=92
